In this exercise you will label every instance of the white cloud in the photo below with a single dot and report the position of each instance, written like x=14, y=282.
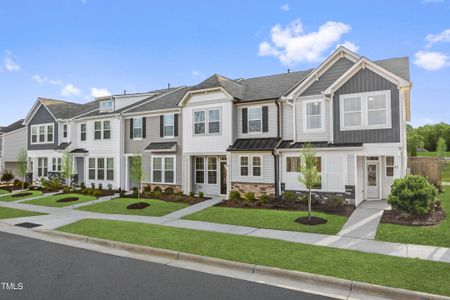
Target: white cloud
x=291, y=44
x=197, y=74
x=350, y=46
x=100, y=92
x=9, y=63
x=430, y=60
x=285, y=7
x=70, y=90
x=444, y=36
x=44, y=79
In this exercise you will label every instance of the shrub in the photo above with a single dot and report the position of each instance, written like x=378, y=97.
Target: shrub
x=82, y=185
x=149, y=195
x=234, y=196
x=249, y=196
x=110, y=186
x=168, y=190
x=93, y=186
x=97, y=193
x=264, y=198
x=157, y=194
x=121, y=193
x=54, y=184
x=191, y=194
x=26, y=185
x=303, y=199
x=289, y=196
x=7, y=176
x=179, y=196
x=157, y=189
x=335, y=201
x=147, y=188
x=88, y=191
x=32, y=188
x=17, y=183
x=413, y=195
x=135, y=192
x=201, y=195
x=179, y=193
x=66, y=189
x=100, y=186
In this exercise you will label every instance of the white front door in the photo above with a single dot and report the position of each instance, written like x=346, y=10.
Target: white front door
x=373, y=182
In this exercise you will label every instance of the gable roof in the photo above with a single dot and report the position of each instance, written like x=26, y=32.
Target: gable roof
x=64, y=109
x=397, y=65
x=12, y=127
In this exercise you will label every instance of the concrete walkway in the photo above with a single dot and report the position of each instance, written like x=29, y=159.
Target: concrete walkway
x=99, y=200
x=364, y=221
x=194, y=208
x=62, y=216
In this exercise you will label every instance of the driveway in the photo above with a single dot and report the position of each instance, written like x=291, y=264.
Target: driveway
x=53, y=271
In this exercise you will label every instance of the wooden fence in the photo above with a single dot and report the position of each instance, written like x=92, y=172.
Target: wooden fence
x=429, y=167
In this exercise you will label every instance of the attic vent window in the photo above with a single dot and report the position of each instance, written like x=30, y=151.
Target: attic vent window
x=106, y=105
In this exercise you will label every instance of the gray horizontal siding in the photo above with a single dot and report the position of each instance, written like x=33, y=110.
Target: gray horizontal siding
x=327, y=78
x=138, y=146
x=43, y=116
x=268, y=173
x=287, y=123
x=272, y=110
x=367, y=81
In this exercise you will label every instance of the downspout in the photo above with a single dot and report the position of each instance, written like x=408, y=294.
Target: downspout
x=274, y=153
x=330, y=117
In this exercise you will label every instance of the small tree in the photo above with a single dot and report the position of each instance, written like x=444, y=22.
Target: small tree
x=67, y=167
x=441, y=147
x=137, y=172
x=22, y=165
x=309, y=176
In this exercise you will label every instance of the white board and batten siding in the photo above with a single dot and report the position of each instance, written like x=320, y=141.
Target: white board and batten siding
x=267, y=171
x=334, y=171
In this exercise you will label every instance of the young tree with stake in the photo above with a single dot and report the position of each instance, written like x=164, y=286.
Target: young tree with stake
x=67, y=167
x=309, y=176
x=137, y=172
x=22, y=166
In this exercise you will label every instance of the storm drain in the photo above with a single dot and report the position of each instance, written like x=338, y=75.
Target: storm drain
x=28, y=225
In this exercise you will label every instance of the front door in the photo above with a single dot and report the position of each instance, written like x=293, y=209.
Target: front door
x=223, y=178
x=373, y=191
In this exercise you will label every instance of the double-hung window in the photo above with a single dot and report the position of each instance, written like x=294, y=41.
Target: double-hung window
x=313, y=115
x=370, y=110
x=169, y=125
x=255, y=119
x=157, y=169
x=163, y=169
x=389, y=166
x=212, y=170
x=256, y=166
x=91, y=168
x=98, y=130
x=42, y=167
x=319, y=170
x=83, y=132
x=207, y=121
x=65, y=129
x=169, y=170
x=293, y=164
x=137, y=128
x=244, y=165
x=102, y=130
x=42, y=134
x=56, y=164
x=101, y=168
x=250, y=165
x=199, y=170
x=106, y=130
x=110, y=169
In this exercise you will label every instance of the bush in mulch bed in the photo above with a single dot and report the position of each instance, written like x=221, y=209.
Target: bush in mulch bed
x=20, y=195
x=171, y=197
x=311, y=221
x=138, y=205
x=345, y=210
x=10, y=188
x=69, y=199
x=435, y=217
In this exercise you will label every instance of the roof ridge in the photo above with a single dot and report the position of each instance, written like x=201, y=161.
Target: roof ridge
x=278, y=74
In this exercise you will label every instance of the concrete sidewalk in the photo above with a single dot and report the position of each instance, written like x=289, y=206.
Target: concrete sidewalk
x=364, y=221
x=194, y=208
x=62, y=216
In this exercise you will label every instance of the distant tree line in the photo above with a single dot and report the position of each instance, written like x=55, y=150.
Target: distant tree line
x=428, y=137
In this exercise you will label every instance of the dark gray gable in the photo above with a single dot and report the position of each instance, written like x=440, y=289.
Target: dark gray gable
x=327, y=78
x=367, y=81
x=43, y=116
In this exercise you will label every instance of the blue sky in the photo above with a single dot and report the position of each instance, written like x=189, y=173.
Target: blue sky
x=75, y=49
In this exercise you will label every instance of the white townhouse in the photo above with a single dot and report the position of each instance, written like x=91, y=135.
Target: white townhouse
x=13, y=139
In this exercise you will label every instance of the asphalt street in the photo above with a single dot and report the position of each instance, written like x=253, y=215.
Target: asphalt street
x=35, y=269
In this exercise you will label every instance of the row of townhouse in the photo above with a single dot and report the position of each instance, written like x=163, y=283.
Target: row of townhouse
x=243, y=134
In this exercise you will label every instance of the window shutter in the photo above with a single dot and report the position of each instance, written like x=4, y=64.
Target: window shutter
x=265, y=118
x=175, y=124
x=244, y=120
x=131, y=128
x=161, y=126
x=144, y=127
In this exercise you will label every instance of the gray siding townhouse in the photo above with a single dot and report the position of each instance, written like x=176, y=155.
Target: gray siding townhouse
x=13, y=139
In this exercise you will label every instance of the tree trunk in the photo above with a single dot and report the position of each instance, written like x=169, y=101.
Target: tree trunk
x=309, y=205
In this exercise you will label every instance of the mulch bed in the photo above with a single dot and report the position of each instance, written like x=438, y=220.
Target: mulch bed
x=138, y=205
x=345, y=210
x=311, y=221
x=434, y=218
x=10, y=188
x=69, y=199
x=175, y=198
x=20, y=195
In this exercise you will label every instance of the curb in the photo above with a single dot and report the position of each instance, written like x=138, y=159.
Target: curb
x=354, y=289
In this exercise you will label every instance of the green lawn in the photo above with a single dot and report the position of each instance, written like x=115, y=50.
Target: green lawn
x=10, y=213
x=119, y=206
x=11, y=198
x=268, y=218
x=52, y=200
x=2, y=192
x=413, y=274
x=447, y=154
x=445, y=171
x=438, y=235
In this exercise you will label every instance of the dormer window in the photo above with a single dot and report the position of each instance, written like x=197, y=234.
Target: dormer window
x=106, y=105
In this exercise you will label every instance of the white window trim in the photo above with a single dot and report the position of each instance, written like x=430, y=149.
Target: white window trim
x=138, y=138
x=364, y=111
x=322, y=115
x=37, y=126
x=85, y=132
x=206, y=122
x=43, y=167
x=216, y=170
x=96, y=158
x=163, y=169
x=102, y=130
x=107, y=109
x=58, y=164
x=248, y=120
x=286, y=162
x=389, y=166
x=250, y=166
x=65, y=131
x=173, y=125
